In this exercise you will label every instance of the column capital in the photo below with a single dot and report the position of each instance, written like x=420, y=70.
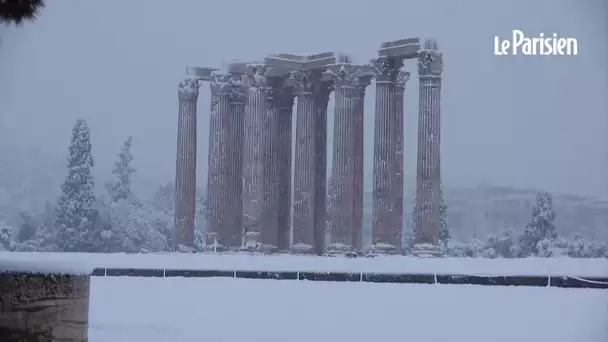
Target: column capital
x=386, y=69
x=187, y=90
x=402, y=78
x=220, y=83
x=345, y=74
x=362, y=83
x=310, y=81
x=228, y=84
x=430, y=63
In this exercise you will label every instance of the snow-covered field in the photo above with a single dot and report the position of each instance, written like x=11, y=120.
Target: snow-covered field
x=231, y=310
x=562, y=266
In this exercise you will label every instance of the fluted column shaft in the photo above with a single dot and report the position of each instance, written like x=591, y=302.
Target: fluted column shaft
x=185, y=168
x=384, y=234
x=321, y=101
x=430, y=67
x=310, y=162
x=253, y=159
x=362, y=83
x=270, y=163
x=225, y=172
x=304, y=172
x=343, y=182
x=236, y=126
x=342, y=174
x=284, y=168
x=402, y=78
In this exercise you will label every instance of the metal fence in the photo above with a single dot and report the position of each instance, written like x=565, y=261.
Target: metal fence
x=395, y=278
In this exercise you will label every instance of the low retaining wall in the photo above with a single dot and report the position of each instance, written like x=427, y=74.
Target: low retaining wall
x=40, y=303
x=542, y=281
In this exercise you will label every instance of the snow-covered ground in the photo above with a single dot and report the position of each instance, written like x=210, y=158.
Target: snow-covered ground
x=231, y=310
x=562, y=266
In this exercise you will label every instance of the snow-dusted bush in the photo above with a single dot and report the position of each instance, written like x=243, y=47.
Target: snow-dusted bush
x=129, y=227
x=500, y=245
x=574, y=246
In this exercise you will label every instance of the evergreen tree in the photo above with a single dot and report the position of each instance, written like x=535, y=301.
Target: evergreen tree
x=540, y=226
x=76, y=214
x=444, y=232
x=16, y=11
x=121, y=188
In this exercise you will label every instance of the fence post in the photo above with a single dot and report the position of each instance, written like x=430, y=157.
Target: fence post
x=43, y=302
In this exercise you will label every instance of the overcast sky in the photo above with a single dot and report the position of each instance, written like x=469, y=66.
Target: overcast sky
x=516, y=121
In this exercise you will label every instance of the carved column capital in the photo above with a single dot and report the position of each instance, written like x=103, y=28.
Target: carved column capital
x=362, y=83
x=237, y=89
x=187, y=90
x=402, y=78
x=227, y=84
x=345, y=74
x=220, y=83
x=385, y=69
x=257, y=75
x=430, y=63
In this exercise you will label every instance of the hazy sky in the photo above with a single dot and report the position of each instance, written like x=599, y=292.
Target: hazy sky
x=518, y=121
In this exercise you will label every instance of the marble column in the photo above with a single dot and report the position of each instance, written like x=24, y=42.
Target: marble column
x=185, y=167
x=310, y=164
x=270, y=163
x=322, y=93
x=384, y=237
x=234, y=148
x=342, y=189
x=402, y=78
x=253, y=155
x=222, y=180
x=286, y=101
x=362, y=83
x=430, y=68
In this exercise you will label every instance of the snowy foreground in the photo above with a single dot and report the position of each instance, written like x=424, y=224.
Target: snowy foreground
x=562, y=266
x=233, y=310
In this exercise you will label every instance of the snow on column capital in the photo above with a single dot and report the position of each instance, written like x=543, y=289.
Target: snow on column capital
x=401, y=81
x=430, y=60
x=42, y=300
x=187, y=89
x=386, y=69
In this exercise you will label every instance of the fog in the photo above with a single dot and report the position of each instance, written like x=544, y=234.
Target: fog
x=521, y=121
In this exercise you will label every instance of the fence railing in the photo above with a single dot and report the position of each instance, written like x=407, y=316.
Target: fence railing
x=395, y=278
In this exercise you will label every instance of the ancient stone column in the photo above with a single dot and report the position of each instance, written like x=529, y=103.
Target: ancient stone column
x=234, y=189
x=40, y=302
x=362, y=82
x=270, y=164
x=322, y=93
x=286, y=101
x=253, y=195
x=430, y=67
x=384, y=237
x=218, y=198
x=343, y=182
x=185, y=167
x=310, y=162
x=402, y=78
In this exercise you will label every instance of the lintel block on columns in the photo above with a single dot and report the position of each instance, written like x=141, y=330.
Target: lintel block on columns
x=305, y=62
x=200, y=73
x=400, y=49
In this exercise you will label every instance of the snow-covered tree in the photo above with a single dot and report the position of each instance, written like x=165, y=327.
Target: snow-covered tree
x=444, y=233
x=129, y=227
x=540, y=226
x=121, y=188
x=16, y=11
x=164, y=198
x=76, y=213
